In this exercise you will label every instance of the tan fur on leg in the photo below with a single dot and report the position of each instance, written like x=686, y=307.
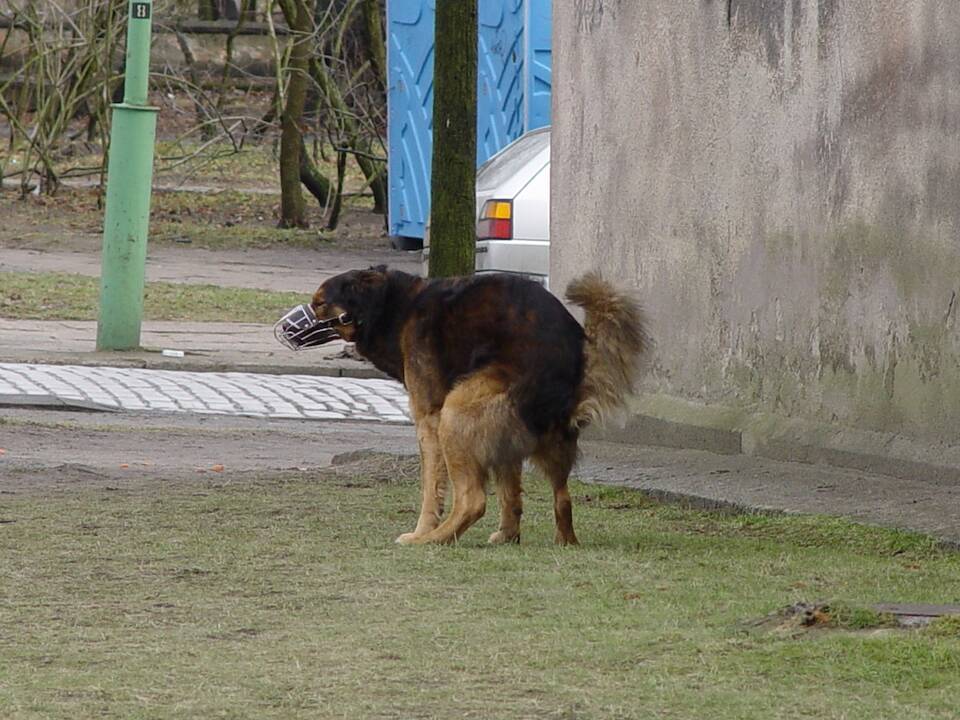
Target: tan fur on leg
x=563, y=513
x=509, y=493
x=433, y=479
x=478, y=430
x=469, y=498
x=555, y=457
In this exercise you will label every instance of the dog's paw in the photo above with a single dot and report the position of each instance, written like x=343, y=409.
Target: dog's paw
x=409, y=538
x=502, y=538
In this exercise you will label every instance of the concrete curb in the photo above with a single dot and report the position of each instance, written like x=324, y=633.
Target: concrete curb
x=651, y=430
x=694, y=501
x=727, y=431
x=199, y=363
x=53, y=403
x=882, y=463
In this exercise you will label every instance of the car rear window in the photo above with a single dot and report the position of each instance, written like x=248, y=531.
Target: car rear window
x=512, y=158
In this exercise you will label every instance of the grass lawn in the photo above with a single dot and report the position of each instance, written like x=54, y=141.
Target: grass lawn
x=284, y=597
x=61, y=296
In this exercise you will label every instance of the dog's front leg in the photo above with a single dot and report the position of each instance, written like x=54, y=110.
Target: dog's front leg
x=433, y=479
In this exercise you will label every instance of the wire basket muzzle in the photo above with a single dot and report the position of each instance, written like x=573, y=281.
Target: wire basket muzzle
x=299, y=329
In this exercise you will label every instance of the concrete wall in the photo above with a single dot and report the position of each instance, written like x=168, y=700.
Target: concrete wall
x=781, y=181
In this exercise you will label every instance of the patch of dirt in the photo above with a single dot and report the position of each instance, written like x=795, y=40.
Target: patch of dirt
x=57, y=451
x=72, y=221
x=803, y=617
x=368, y=468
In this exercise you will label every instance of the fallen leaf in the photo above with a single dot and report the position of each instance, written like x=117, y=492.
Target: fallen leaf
x=217, y=468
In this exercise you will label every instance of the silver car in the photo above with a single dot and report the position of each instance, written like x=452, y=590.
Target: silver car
x=513, y=209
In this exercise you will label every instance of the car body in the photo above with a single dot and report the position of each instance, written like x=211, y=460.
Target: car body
x=513, y=209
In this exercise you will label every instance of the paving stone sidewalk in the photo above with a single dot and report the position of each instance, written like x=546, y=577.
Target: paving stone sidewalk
x=305, y=397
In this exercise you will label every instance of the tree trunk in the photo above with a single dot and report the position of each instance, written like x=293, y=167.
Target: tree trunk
x=314, y=180
x=338, y=198
x=376, y=47
x=377, y=54
x=454, y=165
x=378, y=182
x=206, y=10
x=292, y=206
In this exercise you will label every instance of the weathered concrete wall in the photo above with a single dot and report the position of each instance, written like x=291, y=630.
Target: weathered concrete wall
x=781, y=180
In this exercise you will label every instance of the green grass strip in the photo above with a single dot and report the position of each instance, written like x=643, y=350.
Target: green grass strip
x=62, y=296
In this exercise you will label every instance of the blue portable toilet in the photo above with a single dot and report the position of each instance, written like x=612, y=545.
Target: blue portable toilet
x=513, y=92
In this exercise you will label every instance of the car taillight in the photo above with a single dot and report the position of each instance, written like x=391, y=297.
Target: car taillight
x=496, y=220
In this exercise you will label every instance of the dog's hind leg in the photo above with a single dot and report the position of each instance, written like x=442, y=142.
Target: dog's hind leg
x=555, y=456
x=478, y=431
x=509, y=493
x=467, y=479
x=433, y=478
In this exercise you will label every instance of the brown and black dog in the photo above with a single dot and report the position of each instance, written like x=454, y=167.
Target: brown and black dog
x=498, y=371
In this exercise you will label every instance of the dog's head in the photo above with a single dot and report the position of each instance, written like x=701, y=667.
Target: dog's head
x=358, y=294
x=342, y=308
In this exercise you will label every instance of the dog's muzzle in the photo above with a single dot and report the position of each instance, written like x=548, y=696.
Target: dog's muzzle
x=300, y=328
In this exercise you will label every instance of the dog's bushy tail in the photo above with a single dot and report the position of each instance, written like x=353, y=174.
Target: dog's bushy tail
x=616, y=339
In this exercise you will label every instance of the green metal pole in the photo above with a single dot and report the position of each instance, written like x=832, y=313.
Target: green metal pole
x=129, y=179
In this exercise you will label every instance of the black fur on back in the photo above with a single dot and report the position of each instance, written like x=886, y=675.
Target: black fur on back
x=461, y=325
